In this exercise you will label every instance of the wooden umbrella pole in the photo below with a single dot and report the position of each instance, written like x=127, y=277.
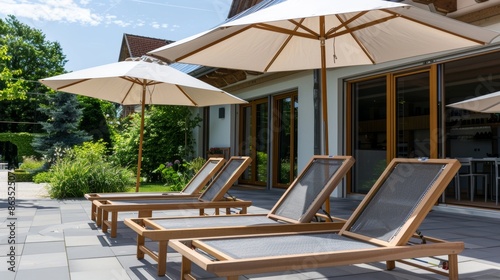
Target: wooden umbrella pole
x=141, y=136
x=324, y=105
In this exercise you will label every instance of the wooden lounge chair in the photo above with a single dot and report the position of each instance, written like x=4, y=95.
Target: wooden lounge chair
x=192, y=188
x=382, y=228
x=214, y=197
x=293, y=212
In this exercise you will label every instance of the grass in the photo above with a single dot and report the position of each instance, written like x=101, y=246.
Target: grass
x=150, y=187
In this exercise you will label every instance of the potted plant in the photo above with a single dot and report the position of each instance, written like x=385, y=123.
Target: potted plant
x=215, y=153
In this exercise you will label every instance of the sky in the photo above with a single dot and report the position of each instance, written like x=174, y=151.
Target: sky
x=90, y=32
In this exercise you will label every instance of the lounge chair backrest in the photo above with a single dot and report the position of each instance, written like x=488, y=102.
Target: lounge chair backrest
x=311, y=188
x=399, y=201
x=226, y=178
x=201, y=178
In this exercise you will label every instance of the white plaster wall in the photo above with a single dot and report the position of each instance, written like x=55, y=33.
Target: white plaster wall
x=221, y=130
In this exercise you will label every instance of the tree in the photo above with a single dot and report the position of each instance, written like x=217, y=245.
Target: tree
x=10, y=88
x=28, y=56
x=93, y=118
x=61, y=126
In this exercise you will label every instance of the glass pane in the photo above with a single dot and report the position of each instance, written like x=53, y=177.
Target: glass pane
x=471, y=134
x=412, y=115
x=295, y=135
x=369, y=132
x=284, y=134
x=261, y=142
x=246, y=141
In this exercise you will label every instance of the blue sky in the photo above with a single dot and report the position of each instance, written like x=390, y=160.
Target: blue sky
x=90, y=32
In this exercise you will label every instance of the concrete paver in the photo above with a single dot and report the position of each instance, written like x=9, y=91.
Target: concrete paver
x=55, y=239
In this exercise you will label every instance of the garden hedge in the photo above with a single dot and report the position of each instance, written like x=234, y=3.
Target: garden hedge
x=23, y=142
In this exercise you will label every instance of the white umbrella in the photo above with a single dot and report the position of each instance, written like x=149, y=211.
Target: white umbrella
x=141, y=81
x=319, y=34
x=488, y=103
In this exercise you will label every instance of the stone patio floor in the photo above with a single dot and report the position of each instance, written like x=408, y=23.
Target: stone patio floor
x=56, y=239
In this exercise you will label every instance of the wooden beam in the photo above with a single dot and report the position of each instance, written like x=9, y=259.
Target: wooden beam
x=478, y=15
x=442, y=6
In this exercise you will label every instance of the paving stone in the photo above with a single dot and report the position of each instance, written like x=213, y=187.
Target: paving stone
x=89, y=252
x=44, y=260
x=44, y=248
x=84, y=241
x=51, y=273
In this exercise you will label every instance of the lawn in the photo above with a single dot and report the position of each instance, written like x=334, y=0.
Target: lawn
x=150, y=187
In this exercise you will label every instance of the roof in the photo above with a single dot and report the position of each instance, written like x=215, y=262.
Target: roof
x=137, y=46
x=240, y=5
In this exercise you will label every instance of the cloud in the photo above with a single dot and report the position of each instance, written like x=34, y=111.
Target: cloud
x=83, y=12
x=51, y=10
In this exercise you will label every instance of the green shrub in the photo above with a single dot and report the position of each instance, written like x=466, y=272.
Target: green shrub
x=22, y=175
x=196, y=164
x=261, y=166
x=177, y=174
x=31, y=163
x=42, y=177
x=85, y=169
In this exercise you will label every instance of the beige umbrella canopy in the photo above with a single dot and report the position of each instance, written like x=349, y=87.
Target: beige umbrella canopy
x=141, y=81
x=488, y=103
x=320, y=34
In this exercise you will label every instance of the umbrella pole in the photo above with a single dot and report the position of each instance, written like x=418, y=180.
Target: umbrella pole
x=324, y=104
x=141, y=136
x=324, y=109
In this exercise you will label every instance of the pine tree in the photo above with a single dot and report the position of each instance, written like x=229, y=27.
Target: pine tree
x=61, y=127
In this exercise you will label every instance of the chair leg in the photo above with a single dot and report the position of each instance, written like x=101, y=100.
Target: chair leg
x=486, y=188
x=452, y=267
x=162, y=258
x=496, y=191
x=472, y=188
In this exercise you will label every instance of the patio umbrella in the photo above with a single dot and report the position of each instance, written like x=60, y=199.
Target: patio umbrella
x=318, y=34
x=488, y=103
x=141, y=81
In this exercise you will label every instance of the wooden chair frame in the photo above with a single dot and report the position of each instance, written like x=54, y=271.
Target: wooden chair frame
x=398, y=248
x=214, y=163
x=149, y=228
x=106, y=211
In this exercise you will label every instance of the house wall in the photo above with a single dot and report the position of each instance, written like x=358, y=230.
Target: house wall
x=221, y=129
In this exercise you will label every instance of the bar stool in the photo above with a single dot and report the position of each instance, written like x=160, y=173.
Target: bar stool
x=466, y=170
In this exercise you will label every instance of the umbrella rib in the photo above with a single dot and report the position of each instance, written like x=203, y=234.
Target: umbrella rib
x=332, y=34
x=333, y=30
x=282, y=47
x=72, y=84
x=137, y=81
x=488, y=107
x=286, y=31
x=435, y=27
x=349, y=31
x=186, y=95
x=128, y=92
x=213, y=43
